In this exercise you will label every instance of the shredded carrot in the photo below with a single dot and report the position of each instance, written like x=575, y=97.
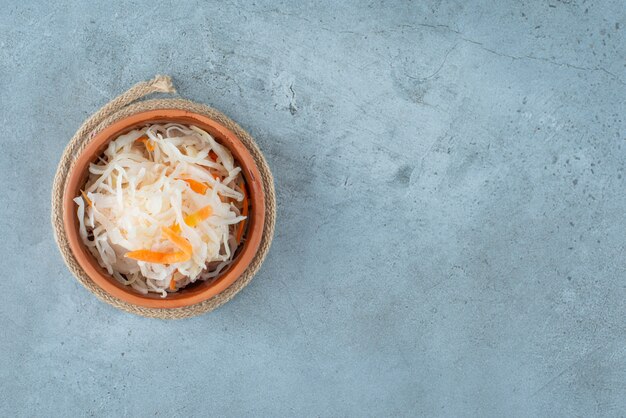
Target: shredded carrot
x=244, y=212
x=176, y=228
x=149, y=145
x=196, y=186
x=199, y=216
x=180, y=242
x=194, y=219
x=165, y=258
x=172, y=284
x=158, y=257
x=87, y=200
x=217, y=176
x=212, y=155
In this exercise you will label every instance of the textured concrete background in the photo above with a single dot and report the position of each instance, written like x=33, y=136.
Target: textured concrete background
x=450, y=237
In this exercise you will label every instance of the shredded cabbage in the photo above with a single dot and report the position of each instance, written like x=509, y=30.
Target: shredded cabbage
x=139, y=185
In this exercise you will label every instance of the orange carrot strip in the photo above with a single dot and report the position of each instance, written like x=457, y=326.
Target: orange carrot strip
x=158, y=257
x=212, y=155
x=194, y=218
x=87, y=200
x=177, y=257
x=172, y=281
x=244, y=212
x=178, y=241
x=199, y=216
x=149, y=145
x=196, y=186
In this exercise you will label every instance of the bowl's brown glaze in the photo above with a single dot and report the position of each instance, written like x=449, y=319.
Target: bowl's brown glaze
x=196, y=292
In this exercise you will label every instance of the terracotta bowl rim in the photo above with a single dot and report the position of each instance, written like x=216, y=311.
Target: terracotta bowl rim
x=202, y=291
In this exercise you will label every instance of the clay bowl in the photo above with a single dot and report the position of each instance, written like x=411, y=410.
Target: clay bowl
x=193, y=293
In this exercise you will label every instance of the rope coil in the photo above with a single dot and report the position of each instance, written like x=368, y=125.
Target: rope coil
x=123, y=106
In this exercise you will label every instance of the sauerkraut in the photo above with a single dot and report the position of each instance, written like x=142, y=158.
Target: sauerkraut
x=163, y=207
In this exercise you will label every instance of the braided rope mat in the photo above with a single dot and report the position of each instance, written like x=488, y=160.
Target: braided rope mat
x=125, y=105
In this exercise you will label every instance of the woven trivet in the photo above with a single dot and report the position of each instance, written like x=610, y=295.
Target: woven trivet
x=125, y=105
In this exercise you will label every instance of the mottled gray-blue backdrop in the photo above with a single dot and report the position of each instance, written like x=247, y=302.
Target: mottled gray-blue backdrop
x=451, y=209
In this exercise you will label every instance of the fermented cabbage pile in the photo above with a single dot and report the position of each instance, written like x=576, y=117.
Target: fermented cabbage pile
x=164, y=206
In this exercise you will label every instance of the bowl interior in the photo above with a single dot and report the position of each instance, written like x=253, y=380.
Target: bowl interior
x=201, y=290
